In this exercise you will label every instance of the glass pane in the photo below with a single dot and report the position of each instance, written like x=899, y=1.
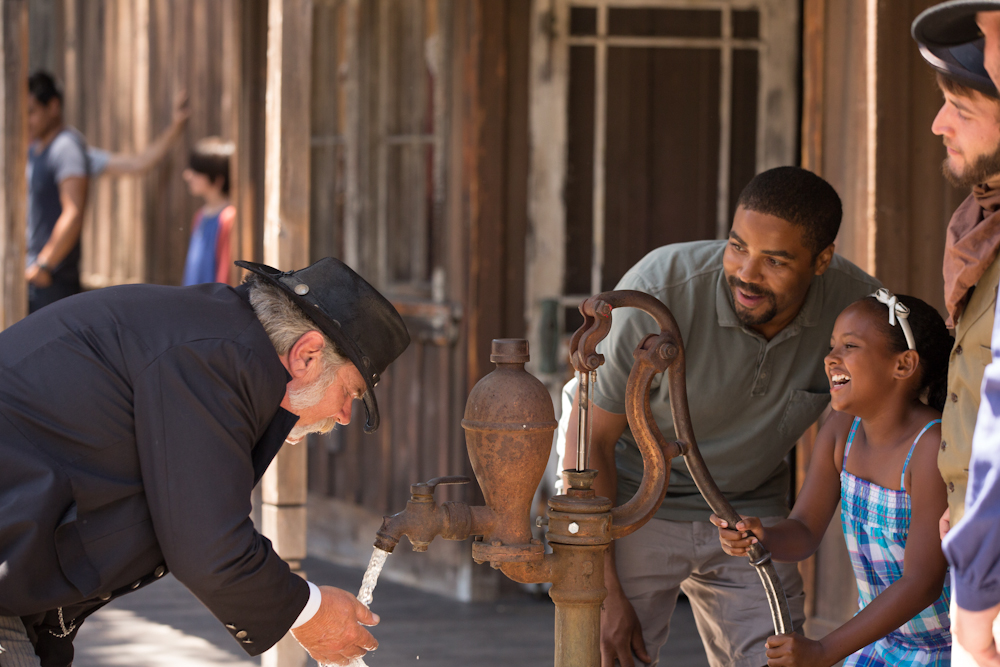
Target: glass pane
x=409, y=211
x=636, y=22
x=662, y=152
x=327, y=188
x=326, y=201
x=583, y=21
x=574, y=320
x=746, y=23
x=409, y=69
x=580, y=170
x=743, y=156
x=326, y=89
x=407, y=196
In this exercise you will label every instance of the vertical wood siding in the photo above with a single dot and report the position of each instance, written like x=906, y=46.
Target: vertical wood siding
x=124, y=61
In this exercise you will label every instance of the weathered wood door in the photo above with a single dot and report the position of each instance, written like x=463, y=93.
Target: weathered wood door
x=380, y=122
x=647, y=118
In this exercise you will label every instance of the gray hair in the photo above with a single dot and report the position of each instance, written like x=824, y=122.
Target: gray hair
x=285, y=323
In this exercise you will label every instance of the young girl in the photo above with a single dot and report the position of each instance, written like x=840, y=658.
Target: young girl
x=877, y=456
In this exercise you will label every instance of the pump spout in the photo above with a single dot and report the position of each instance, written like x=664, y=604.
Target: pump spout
x=423, y=519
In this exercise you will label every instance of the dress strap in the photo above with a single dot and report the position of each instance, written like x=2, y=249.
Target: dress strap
x=850, y=439
x=902, y=476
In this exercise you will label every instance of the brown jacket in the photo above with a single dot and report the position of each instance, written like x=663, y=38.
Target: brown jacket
x=969, y=357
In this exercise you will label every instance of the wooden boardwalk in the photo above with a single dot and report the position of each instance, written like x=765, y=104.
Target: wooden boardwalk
x=164, y=624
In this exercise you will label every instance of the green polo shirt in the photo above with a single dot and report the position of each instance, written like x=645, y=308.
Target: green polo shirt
x=750, y=398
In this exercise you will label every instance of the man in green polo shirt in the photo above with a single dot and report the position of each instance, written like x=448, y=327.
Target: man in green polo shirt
x=755, y=312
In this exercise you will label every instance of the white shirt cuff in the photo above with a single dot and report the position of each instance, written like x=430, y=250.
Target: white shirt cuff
x=312, y=606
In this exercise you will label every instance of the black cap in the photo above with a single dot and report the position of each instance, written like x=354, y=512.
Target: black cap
x=951, y=23
x=962, y=63
x=356, y=317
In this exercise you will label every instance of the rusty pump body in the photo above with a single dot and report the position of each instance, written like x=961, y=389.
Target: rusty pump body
x=509, y=422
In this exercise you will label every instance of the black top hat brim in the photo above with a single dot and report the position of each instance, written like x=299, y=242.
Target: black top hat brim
x=962, y=63
x=361, y=312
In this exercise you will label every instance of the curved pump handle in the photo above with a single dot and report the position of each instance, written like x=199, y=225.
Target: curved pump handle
x=653, y=355
x=427, y=488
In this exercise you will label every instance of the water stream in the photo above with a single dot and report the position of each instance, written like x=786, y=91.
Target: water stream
x=367, y=588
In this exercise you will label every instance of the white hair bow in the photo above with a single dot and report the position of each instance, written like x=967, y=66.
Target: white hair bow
x=896, y=311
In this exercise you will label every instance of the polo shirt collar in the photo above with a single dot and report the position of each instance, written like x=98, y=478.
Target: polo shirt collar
x=809, y=314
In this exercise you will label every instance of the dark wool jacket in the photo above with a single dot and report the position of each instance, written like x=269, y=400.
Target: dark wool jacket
x=134, y=423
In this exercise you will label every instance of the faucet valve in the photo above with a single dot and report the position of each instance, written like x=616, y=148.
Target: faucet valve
x=424, y=491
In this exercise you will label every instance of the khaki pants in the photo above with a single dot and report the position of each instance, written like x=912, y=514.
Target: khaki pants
x=959, y=656
x=730, y=608
x=17, y=649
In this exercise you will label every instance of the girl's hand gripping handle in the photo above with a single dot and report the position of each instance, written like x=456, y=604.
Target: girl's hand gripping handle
x=737, y=542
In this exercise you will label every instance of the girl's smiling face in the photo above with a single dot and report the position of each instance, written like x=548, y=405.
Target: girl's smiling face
x=860, y=364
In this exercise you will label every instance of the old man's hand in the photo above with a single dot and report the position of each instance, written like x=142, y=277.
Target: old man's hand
x=976, y=631
x=335, y=635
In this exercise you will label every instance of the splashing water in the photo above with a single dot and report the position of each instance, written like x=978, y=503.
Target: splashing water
x=367, y=588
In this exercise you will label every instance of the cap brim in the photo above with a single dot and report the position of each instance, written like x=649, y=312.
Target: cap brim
x=951, y=23
x=331, y=328
x=962, y=63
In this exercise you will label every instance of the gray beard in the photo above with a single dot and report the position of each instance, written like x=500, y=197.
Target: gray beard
x=307, y=397
x=299, y=432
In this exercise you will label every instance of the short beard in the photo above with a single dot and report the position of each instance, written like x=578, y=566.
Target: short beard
x=744, y=316
x=307, y=397
x=298, y=432
x=980, y=171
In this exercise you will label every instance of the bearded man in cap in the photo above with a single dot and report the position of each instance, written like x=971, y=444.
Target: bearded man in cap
x=134, y=423
x=961, y=40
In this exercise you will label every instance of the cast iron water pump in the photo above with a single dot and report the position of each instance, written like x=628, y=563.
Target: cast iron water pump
x=509, y=421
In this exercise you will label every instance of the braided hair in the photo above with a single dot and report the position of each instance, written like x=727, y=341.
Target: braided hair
x=931, y=337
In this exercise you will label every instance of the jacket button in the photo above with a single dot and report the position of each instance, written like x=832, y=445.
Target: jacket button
x=241, y=634
x=954, y=397
x=951, y=487
x=230, y=626
x=106, y=596
x=944, y=445
x=136, y=584
x=160, y=571
x=958, y=349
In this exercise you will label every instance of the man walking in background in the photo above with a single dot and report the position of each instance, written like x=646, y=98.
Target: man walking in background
x=60, y=166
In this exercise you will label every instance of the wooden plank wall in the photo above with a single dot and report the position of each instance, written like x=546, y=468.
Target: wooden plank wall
x=417, y=389
x=13, y=156
x=495, y=147
x=469, y=286
x=123, y=62
x=866, y=129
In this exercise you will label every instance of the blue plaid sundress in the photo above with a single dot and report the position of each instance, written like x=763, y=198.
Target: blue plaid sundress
x=876, y=521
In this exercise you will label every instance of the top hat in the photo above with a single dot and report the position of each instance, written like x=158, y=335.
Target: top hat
x=951, y=23
x=359, y=320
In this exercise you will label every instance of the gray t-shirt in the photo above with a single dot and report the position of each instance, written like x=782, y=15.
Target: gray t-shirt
x=64, y=157
x=750, y=398
x=98, y=159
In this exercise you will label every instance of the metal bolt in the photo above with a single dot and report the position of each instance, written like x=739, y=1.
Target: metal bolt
x=574, y=528
x=302, y=289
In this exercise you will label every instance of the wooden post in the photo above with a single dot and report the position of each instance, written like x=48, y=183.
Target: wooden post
x=286, y=246
x=247, y=74
x=13, y=154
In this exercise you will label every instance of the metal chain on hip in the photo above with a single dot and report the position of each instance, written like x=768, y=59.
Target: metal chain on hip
x=62, y=624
